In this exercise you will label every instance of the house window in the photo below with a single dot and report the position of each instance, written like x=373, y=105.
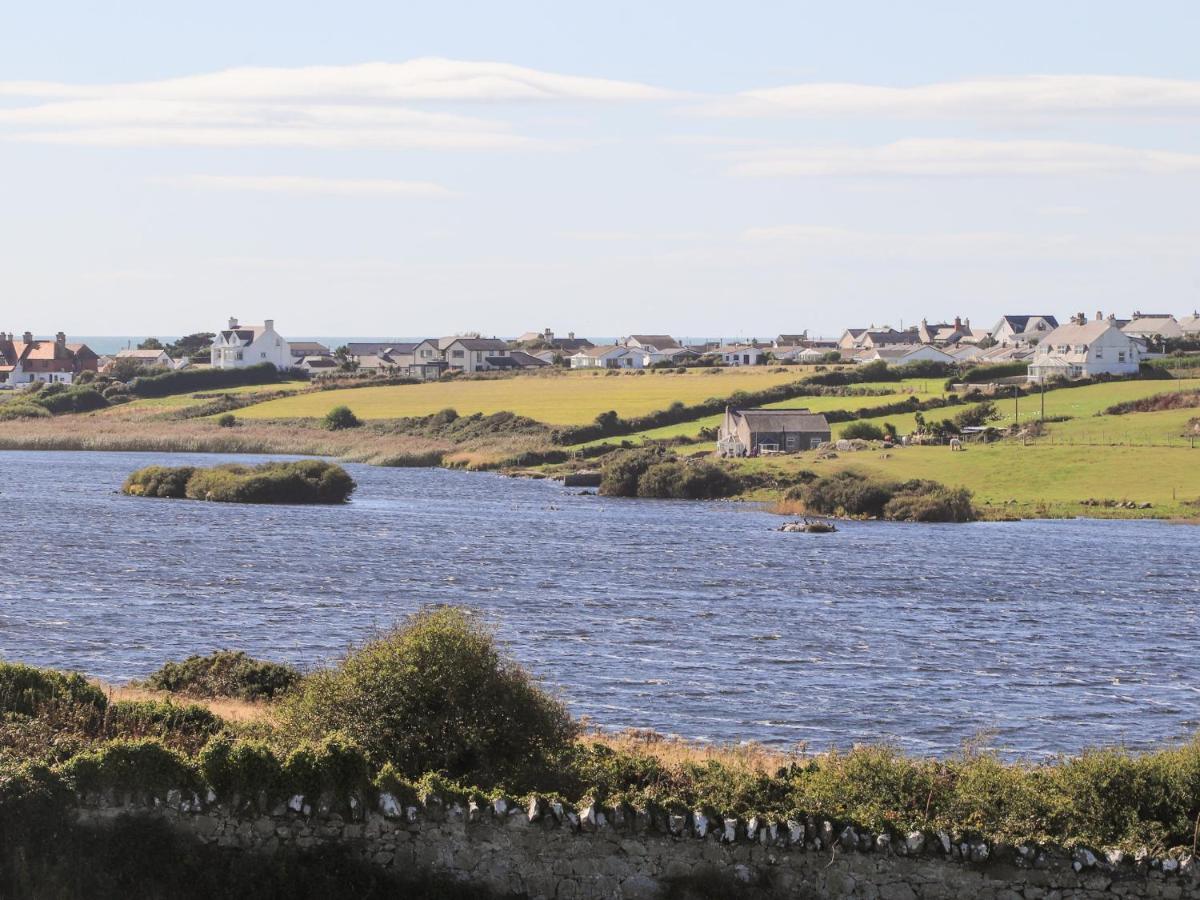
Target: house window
x=1120, y=356
x=1099, y=353
x=456, y=354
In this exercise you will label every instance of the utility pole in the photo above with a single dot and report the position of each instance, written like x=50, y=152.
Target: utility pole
x=1016, y=405
x=1043, y=385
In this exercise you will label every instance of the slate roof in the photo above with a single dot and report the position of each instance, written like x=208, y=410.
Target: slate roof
x=374, y=348
x=479, y=343
x=779, y=420
x=659, y=341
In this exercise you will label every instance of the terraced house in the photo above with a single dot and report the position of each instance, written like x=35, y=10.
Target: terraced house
x=27, y=360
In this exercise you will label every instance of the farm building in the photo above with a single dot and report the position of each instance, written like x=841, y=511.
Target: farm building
x=750, y=432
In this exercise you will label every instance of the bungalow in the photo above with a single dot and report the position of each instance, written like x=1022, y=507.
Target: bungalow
x=1083, y=350
x=149, y=358
x=239, y=346
x=301, y=349
x=606, y=357
x=749, y=432
x=516, y=359
x=1190, y=325
x=790, y=340
x=1153, y=326
x=318, y=364
x=649, y=342
x=903, y=354
x=742, y=355
x=55, y=362
x=1022, y=329
x=675, y=356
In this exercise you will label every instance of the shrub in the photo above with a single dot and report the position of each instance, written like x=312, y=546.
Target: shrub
x=29, y=691
x=239, y=766
x=137, y=766
x=929, y=501
x=227, y=420
x=845, y=493
x=434, y=694
x=622, y=472
x=20, y=409
x=73, y=399
x=182, y=381
x=332, y=765
x=159, y=481
x=864, y=431
x=852, y=493
x=340, y=417
x=184, y=727
x=687, y=481
x=225, y=673
x=977, y=415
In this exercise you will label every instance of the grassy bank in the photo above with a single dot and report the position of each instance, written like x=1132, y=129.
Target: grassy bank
x=435, y=708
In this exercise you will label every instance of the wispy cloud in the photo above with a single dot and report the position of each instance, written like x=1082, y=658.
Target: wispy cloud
x=295, y=184
x=943, y=157
x=1033, y=95
x=316, y=106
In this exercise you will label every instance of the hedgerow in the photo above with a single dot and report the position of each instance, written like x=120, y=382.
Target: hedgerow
x=181, y=381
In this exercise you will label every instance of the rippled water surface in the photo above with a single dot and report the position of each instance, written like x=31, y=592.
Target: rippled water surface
x=695, y=619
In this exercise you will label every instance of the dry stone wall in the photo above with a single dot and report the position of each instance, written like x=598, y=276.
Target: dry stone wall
x=545, y=850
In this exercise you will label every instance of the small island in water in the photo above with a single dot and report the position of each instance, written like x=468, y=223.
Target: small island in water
x=304, y=481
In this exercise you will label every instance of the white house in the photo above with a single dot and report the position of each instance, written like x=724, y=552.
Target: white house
x=903, y=354
x=1022, y=329
x=673, y=355
x=607, y=357
x=649, y=342
x=1085, y=350
x=741, y=355
x=239, y=346
x=473, y=354
x=1190, y=325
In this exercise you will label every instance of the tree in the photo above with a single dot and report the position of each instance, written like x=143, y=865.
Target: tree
x=346, y=360
x=150, y=343
x=191, y=345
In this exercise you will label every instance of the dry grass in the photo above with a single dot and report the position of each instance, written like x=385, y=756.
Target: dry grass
x=783, y=507
x=227, y=708
x=674, y=752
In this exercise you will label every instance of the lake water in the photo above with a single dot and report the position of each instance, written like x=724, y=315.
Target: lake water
x=695, y=619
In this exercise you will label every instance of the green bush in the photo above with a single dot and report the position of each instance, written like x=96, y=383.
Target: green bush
x=622, y=471
x=340, y=417
x=247, y=767
x=305, y=481
x=863, y=431
x=73, y=399
x=227, y=420
x=687, y=481
x=182, y=381
x=21, y=409
x=224, y=673
x=435, y=694
x=137, y=766
x=181, y=727
x=159, y=481
x=332, y=765
x=851, y=493
x=28, y=691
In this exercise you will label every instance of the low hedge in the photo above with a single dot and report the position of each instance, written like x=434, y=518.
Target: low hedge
x=305, y=481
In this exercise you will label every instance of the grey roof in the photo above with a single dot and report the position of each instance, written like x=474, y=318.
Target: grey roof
x=1020, y=323
x=480, y=343
x=661, y=341
x=776, y=420
x=376, y=347
x=521, y=358
x=308, y=348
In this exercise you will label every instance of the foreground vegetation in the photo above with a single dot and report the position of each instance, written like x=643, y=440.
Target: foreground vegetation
x=436, y=708
x=305, y=481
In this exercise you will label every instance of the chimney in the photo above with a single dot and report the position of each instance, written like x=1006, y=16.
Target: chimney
x=27, y=337
x=958, y=321
x=60, y=338
x=1099, y=315
x=967, y=324
x=571, y=335
x=232, y=323
x=269, y=324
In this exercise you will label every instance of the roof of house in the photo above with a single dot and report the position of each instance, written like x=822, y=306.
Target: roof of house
x=1148, y=325
x=307, y=348
x=1019, y=324
x=1190, y=324
x=760, y=420
x=527, y=360
x=899, y=351
x=602, y=350
x=475, y=343
x=738, y=348
x=140, y=354
x=660, y=341
x=888, y=336
x=319, y=361
x=246, y=334
x=374, y=348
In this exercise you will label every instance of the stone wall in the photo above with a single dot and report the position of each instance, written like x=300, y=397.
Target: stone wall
x=546, y=851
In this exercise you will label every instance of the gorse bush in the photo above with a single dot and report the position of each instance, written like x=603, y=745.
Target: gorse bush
x=28, y=691
x=695, y=480
x=864, y=431
x=435, y=694
x=341, y=417
x=224, y=673
x=852, y=493
x=305, y=481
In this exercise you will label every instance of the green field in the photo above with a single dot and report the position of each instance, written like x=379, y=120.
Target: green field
x=556, y=399
x=1043, y=479
x=180, y=401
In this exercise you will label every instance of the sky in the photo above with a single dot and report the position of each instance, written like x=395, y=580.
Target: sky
x=698, y=168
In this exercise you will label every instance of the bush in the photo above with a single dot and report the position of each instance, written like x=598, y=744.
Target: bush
x=852, y=493
x=435, y=694
x=137, y=766
x=159, y=481
x=687, y=481
x=182, y=381
x=305, y=481
x=227, y=420
x=863, y=431
x=20, y=409
x=978, y=415
x=73, y=399
x=186, y=728
x=231, y=765
x=332, y=765
x=340, y=417
x=622, y=471
x=225, y=673
x=28, y=691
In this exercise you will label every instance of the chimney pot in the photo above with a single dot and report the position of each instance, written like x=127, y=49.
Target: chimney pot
x=61, y=337
x=268, y=323
x=233, y=323
x=27, y=337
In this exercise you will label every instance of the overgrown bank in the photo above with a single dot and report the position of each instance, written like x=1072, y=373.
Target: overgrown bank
x=304, y=481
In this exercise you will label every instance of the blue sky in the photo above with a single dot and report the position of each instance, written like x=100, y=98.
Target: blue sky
x=718, y=169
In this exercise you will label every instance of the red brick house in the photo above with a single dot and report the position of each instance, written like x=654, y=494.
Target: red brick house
x=27, y=360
